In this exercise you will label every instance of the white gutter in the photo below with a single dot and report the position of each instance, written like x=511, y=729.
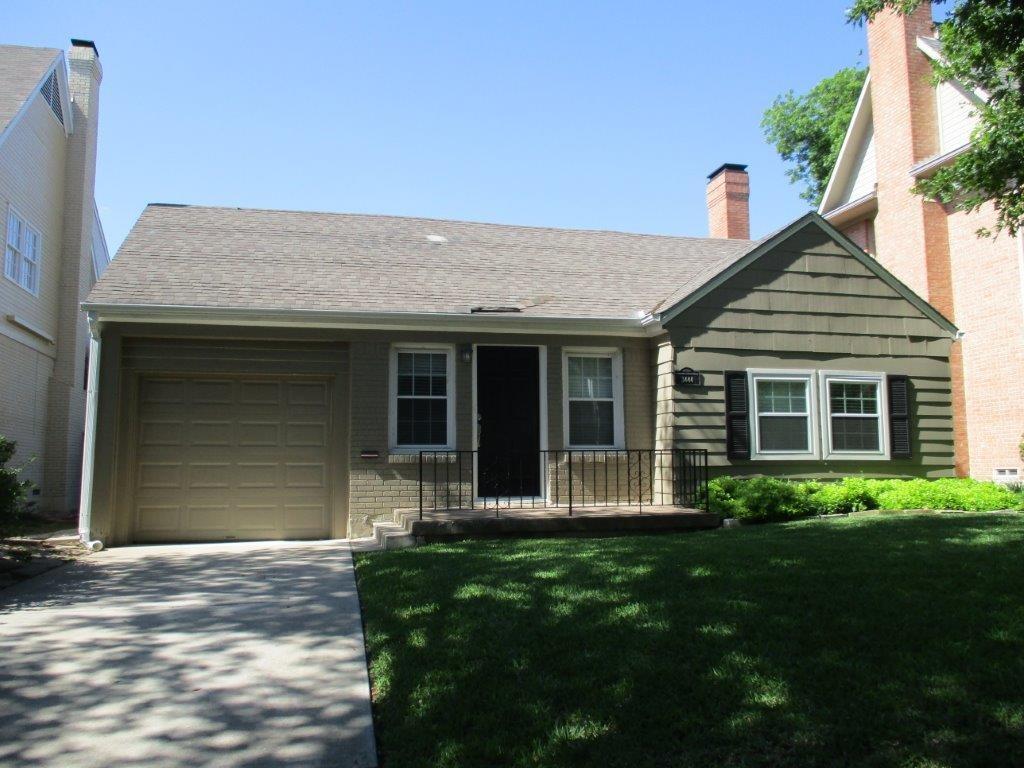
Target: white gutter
x=395, y=321
x=89, y=449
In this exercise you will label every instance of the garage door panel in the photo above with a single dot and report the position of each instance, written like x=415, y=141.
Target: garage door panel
x=209, y=475
x=211, y=433
x=257, y=517
x=160, y=475
x=260, y=393
x=153, y=518
x=212, y=392
x=305, y=517
x=208, y=518
x=257, y=434
x=231, y=457
x=305, y=475
x=312, y=393
x=162, y=391
x=308, y=434
x=259, y=474
x=161, y=432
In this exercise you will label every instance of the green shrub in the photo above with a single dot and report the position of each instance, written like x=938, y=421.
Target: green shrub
x=12, y=490
x=762, y=499
x=758, y=499
x=948, y=493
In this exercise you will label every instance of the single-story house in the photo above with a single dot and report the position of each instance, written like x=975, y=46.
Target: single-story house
x=276, y=374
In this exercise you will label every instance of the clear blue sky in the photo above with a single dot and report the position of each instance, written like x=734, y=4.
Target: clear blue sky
x=592, y=115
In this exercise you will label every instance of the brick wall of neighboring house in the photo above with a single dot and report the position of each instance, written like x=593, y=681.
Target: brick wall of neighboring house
x=975, y=282
x=987, y=285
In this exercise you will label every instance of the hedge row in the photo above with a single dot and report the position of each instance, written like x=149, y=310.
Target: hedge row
x=762, y=499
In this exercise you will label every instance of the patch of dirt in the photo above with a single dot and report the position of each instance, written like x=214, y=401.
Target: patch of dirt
x=22, y=557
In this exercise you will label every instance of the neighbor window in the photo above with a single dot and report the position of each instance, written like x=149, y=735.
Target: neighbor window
x=21, y=257
x=422, y=412
x=854, y=420
x=593, y=408
x=783, y=411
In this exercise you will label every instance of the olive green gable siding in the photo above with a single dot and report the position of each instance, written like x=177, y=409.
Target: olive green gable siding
x=806, y=304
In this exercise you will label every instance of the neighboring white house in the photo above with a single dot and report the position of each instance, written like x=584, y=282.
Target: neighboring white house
x=54, y=251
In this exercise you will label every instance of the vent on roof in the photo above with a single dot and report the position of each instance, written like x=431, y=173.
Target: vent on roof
x=479, y=310
x=51, y=92
x=437, y=239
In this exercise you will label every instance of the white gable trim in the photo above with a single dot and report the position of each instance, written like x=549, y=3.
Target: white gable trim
x=855, y=135
x=58, y=64
x=812, y=219
x=935, y=54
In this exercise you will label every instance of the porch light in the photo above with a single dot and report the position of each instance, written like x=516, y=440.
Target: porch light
x=466, y=353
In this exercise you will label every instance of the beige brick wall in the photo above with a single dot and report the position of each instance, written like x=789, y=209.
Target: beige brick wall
x=381, y=485
x=24, y=380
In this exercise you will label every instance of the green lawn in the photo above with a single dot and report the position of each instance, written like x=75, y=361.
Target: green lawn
x=872, y=640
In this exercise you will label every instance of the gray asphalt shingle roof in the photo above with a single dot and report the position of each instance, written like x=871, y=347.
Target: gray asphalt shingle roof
x=286, y=260
x=21, y=70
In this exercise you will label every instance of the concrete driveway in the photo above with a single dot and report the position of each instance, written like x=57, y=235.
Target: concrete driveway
x=191, y=655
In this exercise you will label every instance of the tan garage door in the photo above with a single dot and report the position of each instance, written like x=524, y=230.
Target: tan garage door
x=231, y=458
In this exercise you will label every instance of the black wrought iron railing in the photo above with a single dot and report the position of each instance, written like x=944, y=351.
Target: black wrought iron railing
x=566, y=478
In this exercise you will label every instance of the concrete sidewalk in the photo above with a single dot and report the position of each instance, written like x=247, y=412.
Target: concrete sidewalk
x=192, y=655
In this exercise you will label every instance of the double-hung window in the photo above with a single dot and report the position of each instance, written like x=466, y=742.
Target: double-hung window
x=832, y=415
x=593, y=399
x=855, y=418
x=422, y=402
x=783, y=415
x=21, y=255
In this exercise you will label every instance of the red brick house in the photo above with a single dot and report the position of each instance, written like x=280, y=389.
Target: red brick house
x=905, y=127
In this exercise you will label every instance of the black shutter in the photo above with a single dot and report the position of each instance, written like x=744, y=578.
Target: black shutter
x=899, y=416
x=737, y=415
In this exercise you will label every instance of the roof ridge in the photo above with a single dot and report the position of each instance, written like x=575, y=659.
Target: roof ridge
x=429, y=219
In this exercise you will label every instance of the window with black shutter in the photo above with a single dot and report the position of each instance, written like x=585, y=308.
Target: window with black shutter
x=899, y=416
x=737, y=415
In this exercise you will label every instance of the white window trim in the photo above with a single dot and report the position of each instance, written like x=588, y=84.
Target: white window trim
x=618, y=409
x=776, y=374
x=449, y=350
x=34, y=290
x=857, y=377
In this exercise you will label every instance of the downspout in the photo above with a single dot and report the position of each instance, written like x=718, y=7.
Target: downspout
x=88, y=451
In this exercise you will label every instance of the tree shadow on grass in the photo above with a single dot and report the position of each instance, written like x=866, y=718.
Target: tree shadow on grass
x=871, y=640
x=237, y=656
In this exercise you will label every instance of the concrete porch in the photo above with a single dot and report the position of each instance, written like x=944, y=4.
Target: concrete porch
x=407, y=528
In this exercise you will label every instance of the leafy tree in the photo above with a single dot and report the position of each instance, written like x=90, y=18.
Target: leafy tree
x=12, y=490
x=808, y=130
x=983, y=49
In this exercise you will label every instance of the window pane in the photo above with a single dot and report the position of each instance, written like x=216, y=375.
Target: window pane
x=14, y=231
x=853, y=397
x=853, y=434
x=11, y=264
x=590, y=377
x=422, y=421
x=783, y=433
x=781, y=396
x=591, y=423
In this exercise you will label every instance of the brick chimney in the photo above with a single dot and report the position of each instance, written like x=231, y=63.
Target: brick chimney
x=729, y=202
x=905, y=118
x=911, y=232
x=66, y=396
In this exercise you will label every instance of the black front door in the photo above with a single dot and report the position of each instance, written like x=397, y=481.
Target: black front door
x=508, y=421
